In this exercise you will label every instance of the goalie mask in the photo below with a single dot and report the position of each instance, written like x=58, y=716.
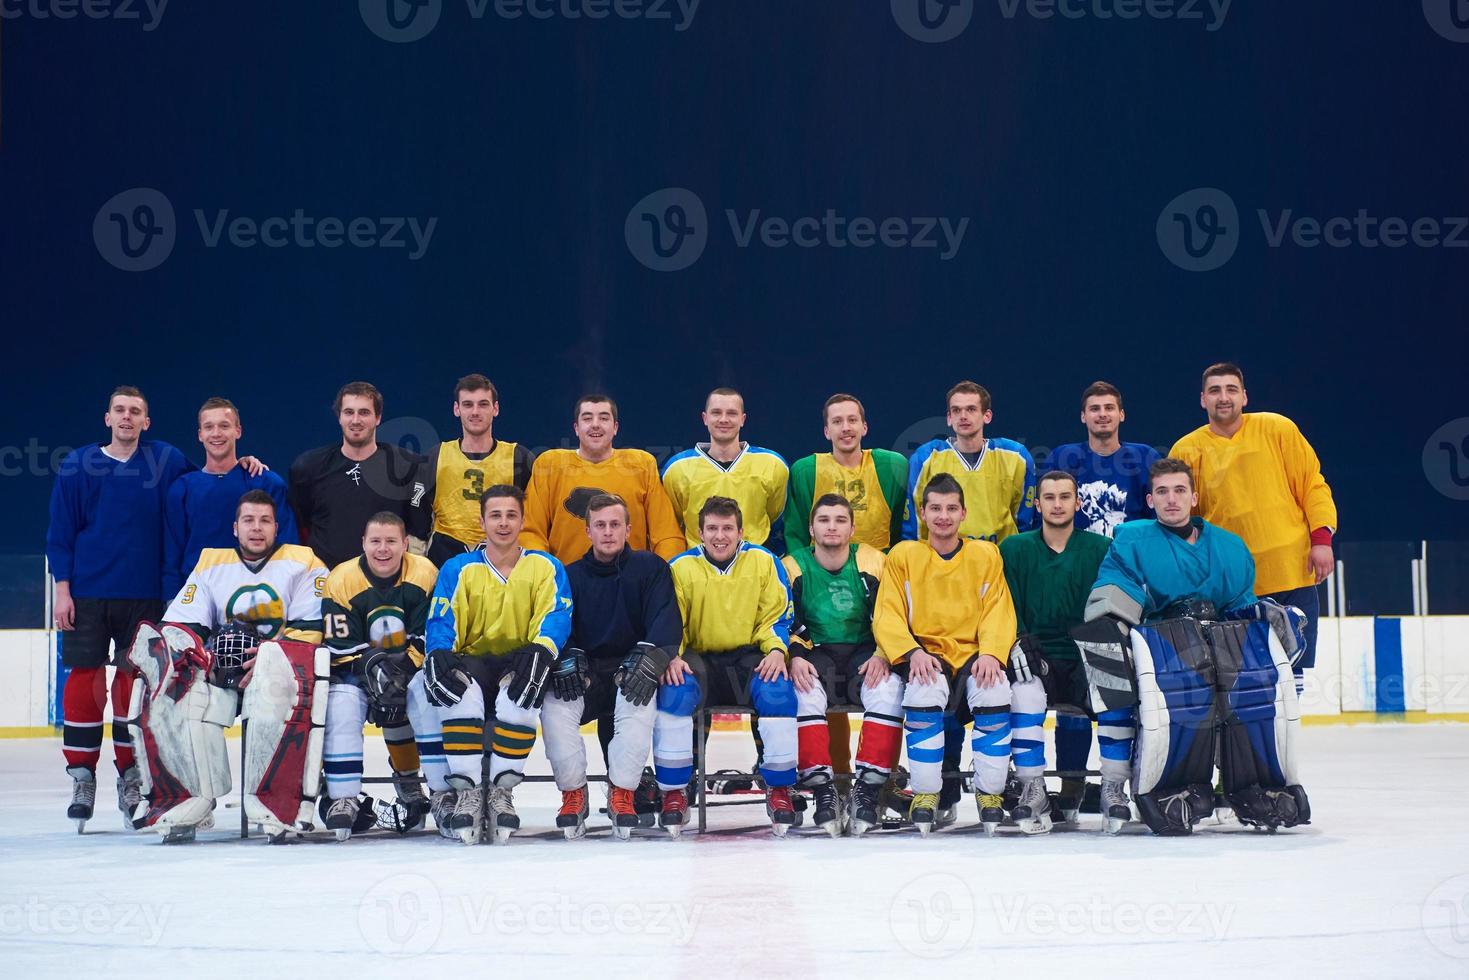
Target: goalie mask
x=228, y=648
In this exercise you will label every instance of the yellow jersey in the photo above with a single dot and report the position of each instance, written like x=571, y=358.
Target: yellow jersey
x=756, y=480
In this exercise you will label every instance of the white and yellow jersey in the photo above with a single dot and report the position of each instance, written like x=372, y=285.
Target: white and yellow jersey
x=280, y=595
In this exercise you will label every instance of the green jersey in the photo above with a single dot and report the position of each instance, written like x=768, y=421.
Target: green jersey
x=1049, y=589
x=833, y=607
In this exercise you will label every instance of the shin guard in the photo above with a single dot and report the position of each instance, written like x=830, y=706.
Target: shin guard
x=285, y=710
x=1174, y=755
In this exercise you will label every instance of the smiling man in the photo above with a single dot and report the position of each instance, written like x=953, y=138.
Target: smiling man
x=1111, y=475
x=872, y=481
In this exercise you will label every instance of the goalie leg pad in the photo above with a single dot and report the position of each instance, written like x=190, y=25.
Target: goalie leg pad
x=285, y=714
x=186, y=761
x=1261, y=723
x=1174, y=754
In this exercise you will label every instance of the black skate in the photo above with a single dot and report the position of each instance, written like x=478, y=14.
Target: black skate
x=1115, y=811
x=414, y=804
x=441, y=807
x=464, y=823
x=500, y=812
x=646, y=799
x=83, y=795
x=129, y=795
x=1032, y=810
x=862, y=806
x=991, y=811
x=828, y=813
x=341, y=817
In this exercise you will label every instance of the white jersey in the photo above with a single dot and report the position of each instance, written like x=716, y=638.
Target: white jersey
x=280, y=598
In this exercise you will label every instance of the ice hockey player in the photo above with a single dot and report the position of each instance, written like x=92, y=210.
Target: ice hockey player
x=373, y=617
x=248, y=620
x=498, y=620
x=625, y=628
x=1173, y=625
x=945, y=623
x=833, y=584
x=736, y=611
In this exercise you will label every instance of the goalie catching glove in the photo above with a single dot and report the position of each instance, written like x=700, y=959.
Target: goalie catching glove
x=640, y=673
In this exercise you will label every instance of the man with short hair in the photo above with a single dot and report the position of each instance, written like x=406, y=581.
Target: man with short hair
x=736, y=612
x=945, y=623
x=104, y=547
x=200, y=510
x=336, y=488
x=374, y=614
x=456, y=472
x=1258, y=477
x=625, y=628
x=726, y=466
x=873, y=481
x=1050, y=572
x=499, y=619
x=564, y=480
x=1111, y=475
x=997, y=475
x=833, y=585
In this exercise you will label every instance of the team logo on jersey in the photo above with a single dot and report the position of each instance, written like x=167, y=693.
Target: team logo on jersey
x=386, y=628
x=576, y=501
x=258, y=606
x=841, y=598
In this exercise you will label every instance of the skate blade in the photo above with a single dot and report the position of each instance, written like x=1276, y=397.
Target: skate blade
x=1069, y=816
x=859, y=827
x=81, y=824
x=833, y=828
x=343, y=833
x=575, y=833
x=1035, y=826
x=674, y=829
x=779, y=829
x=502, y=834
x=622, y=833
x=1114, y=826
x=990, y=829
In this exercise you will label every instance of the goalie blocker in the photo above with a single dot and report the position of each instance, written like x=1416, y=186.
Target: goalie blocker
x=1205, y=689
x=178, y=717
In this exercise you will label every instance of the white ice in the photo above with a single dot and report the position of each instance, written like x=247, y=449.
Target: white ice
x=1378, y=885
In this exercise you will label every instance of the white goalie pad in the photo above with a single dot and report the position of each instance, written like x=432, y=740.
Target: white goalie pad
x=285, y=713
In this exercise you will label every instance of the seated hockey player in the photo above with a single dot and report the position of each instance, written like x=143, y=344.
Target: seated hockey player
x=498, y=620
x=1050, y=572
x=944, y=615
x=833, y=584
x=373, y=617
x=625, y=628
x=1172, y=625
x=247, y=621
x=736, y=611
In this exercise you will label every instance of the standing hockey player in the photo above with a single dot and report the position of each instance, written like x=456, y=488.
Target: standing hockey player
x=736, y=611
x=563, y=480
x=200, y=509
x=335, y=489
x=725, y=466
x=833, y=585
x=1258, y=477
x=373, y=617
x=105, y=549
x=1111, y=475
x=1050, y=572
x=499, y=619
x=1156, y=635
x=625, y=628
x=456, y=472
x=248, y=619
x=945, y=622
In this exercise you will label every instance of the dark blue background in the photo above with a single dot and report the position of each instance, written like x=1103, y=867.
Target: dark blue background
x=1060, y=140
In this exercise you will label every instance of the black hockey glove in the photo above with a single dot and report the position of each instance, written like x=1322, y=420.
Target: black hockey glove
x=569, y=675
x=444, y=678
x=641, y=672
x=385, y=676
x=531, y=666
x=1027, y=660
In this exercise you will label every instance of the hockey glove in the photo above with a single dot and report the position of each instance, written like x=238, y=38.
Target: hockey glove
x=1027, y=660
x=569, y=675
x=531, y=666
x=1106, y=652
x=640, y=673
x=386, y=676
x=444, y=678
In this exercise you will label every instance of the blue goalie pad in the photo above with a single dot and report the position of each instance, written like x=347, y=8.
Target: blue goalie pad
x=1177, y=718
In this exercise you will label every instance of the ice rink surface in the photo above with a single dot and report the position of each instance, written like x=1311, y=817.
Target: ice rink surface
x=1377, y=886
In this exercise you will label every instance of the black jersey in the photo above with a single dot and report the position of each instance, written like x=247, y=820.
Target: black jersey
x=334, y=496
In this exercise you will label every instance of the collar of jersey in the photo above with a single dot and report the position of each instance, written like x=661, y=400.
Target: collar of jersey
x=740, y=550
x=484, y=556
x=702, y=448
x=982, y=450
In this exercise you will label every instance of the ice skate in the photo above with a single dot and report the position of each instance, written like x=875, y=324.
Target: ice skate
x=464, y=822
x=129, y=794
x=1032, y=812
x=828, y=814
x=441, y=807
x=991, y=811
x=922, y=811
x=341, y=817
x=572, y=817
x=622, y=808
x=781, y=810
x=1115, y=809
x=675, y=812
x=83, y=795
x=502, y=815
x=645, y=799
x=1068, y=801
x=863, y=803
x=409, y=788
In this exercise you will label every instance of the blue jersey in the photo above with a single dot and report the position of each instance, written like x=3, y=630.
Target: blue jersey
x=200, y=513
x=1109, y=489
x=619, y=604
x=1152, y=568
x=106, y=532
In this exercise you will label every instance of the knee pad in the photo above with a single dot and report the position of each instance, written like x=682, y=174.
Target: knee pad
x=1174, y=752
x=681, y=699
x=773, y=699
x=932, y=696
x=285, y=707
x=812, y=702
x=886, y=698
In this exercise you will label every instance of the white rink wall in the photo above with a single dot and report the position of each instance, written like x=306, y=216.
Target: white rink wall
x=1380, y=664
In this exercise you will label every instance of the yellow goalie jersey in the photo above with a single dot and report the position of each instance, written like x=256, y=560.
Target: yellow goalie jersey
x=756, y=480
x=746, y=603
x=280, y=595
x=954, y=608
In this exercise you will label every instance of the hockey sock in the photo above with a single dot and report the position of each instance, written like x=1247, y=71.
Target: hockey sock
x=1073, y=742
x=1115, y=730
x=402, y=750
x=1027, y=729
x=925, y=748
x=122, y=736
x=82, y=701
x=990, y=745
